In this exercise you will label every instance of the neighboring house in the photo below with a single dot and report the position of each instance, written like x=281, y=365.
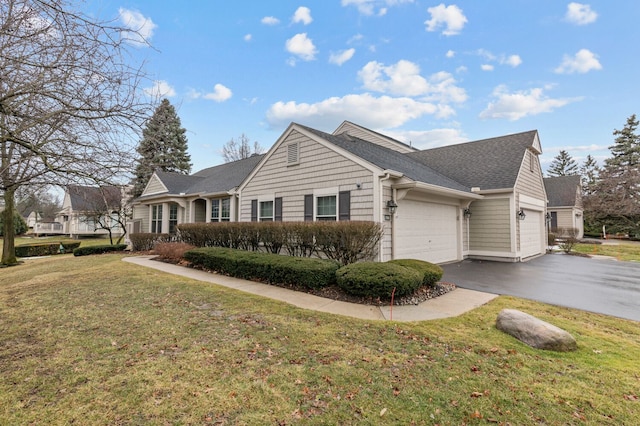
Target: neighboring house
x=42, y=226
x=565, y=204
x=206, y=196
x=483, y=199
x=83, y=204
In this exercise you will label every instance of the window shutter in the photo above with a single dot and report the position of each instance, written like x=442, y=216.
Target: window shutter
x=254, y=210
x=308, y=207
x=277, y=207
x=344, y=205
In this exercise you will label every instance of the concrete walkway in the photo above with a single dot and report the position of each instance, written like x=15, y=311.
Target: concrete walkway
x=451, y=304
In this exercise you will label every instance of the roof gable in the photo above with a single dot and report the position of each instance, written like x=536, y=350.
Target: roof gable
x=369, y=135
x=563, y=191
x=487, y=164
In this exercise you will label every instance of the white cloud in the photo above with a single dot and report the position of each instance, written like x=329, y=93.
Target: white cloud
x=364, y=109
x=220, y=93
x=582, y=62
x=368, y=7
x=247, y=37
x=342, y=56
x=450, y=17
x=301, y=46
x=580, y=14
x=302, y=15
x=403, y=78
x=141, y=28
x=355, y=39
x=160, y=89
x=486, y=67
x=426, y=139
x=517, y=105
x=513, y=60
x=461, y=69
x=450, y=54
x=270, y=20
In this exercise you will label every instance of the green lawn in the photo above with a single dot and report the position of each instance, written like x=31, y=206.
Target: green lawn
x=622, y=251
x=94, y=340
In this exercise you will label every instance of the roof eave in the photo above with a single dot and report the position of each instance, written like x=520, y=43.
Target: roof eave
x=438, y=190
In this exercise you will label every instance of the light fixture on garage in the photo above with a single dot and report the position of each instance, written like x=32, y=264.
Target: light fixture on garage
x=392, y=206
x=467, y=213
x=521, y=214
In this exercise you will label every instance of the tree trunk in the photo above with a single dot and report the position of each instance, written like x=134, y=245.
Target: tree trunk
x=8, y=230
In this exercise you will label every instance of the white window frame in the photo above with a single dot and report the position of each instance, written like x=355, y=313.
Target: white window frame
x=326, y=192
x=227, y=217
x=156, y=210
x=266, y=199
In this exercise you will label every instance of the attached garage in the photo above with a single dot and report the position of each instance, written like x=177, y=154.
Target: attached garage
x=531, y=233
x=426, y=231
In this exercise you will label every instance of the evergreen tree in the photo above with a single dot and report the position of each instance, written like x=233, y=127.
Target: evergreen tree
x=626, y=147
x=163, y=146
x=589, y=172
x=563, y=165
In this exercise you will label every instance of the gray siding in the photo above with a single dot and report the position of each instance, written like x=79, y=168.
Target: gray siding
x=154, y=186
x=489, y=225
x=319, y=168
x=530, y=182
x=141, y=212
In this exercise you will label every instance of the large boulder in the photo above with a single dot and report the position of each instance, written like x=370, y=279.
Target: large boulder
x=535, y=332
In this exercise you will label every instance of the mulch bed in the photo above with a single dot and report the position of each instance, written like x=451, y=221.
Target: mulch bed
x=336, y=293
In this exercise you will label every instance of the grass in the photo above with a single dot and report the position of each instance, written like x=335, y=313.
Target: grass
x=622, y=251
x=94, y=340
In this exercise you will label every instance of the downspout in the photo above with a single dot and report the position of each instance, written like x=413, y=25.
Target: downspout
x=394, y=196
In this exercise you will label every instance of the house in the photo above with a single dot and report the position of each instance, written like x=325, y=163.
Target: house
x=83, y=206
x=565, y=204
x=484, y=199
x=206, y=196
x=40, y=225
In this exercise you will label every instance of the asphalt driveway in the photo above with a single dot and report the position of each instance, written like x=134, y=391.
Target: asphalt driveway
x=597, y=285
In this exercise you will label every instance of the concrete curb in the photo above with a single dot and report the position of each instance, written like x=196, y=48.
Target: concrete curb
x=448, y=305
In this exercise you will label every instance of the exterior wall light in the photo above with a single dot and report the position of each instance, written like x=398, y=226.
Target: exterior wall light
x=392, y=206
x=467, y=213
x=521, y=214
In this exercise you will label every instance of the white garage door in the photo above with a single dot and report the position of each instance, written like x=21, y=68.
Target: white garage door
x=426, y=231
x=531, y=234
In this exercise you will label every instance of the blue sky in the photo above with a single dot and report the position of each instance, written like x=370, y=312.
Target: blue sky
x=425, y=72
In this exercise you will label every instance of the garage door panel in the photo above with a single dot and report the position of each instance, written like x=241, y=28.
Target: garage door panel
x=426, y=231
x=531, y=234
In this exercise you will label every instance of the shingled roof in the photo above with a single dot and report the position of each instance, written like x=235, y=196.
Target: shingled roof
x=211, y=180
x=91, y=198
x=562, y=190
x=386, y=158
x=488, y=164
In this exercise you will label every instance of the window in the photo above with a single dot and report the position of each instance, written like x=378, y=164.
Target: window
x=215, y=210
x=326, y=208
x=221, y=210
x=156, y=219
x=225, y=212
x=173, y=218
x=266, y=211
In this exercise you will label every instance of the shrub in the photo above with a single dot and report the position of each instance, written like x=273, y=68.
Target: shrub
x=569, y=239
x=143, y=241
x=551, y=239
x=172, y=252
x=431, y=273
x=374, y=279
x=19, y=225
x=300, y=239
x=273, y=236
x=266, y=267
x=348, y=242
x=86, y=251
x=46, y=249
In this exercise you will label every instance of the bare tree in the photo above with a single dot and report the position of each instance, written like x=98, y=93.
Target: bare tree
x=238, y=150
x=105, y=207
x=70, y=108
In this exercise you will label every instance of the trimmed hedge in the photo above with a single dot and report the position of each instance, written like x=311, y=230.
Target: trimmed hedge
x=85, y=251
x=45, y=249
x=145, y=241
x=431, y=273
x=373, y=279
x=266, y=267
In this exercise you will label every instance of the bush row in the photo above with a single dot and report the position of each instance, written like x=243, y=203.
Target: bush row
x=266, y=267
x=46, y=249
x=346, y=242
x=145, y=241
x=369, y=279
x=85, y=251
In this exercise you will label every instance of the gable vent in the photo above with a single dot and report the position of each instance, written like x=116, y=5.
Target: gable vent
x=293, y=153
